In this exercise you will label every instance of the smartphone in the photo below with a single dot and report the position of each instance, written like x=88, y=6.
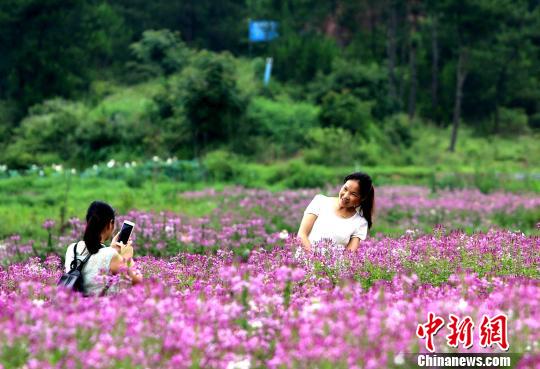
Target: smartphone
x=125, y=232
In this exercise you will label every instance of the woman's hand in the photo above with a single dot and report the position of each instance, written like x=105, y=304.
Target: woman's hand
x=126, y=251
x=115, y=244
x=353, y=244
x=305, y=229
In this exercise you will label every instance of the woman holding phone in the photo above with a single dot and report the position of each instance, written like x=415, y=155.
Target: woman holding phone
x=102, y=259
x=344, y=220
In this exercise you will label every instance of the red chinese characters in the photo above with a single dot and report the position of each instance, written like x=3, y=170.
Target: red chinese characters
x=492, y=331
x=430, y=329
x=461, y=331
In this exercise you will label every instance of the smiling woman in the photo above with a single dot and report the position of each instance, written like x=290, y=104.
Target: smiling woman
x=345, y=219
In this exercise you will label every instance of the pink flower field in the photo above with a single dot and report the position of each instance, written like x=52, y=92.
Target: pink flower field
x=226, y=290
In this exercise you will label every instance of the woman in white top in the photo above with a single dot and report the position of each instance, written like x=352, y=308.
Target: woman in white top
x=345, y=219
x=103, y=260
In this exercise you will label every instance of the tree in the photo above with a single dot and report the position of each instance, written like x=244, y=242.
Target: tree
x=414, y=19
x=212, y=103
x=49, y=47
x=472, y=25
x=215, y=25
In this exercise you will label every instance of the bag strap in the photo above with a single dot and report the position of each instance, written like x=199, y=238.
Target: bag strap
x=75, y=265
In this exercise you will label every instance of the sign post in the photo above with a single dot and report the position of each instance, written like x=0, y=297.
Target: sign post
x=267, y=71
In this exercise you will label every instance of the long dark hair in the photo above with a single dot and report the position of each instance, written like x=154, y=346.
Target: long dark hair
x=367, y=194
x=98, y=216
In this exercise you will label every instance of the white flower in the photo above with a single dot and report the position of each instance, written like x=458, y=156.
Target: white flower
x=398, y=359
x=38, y=302
x=169, y=161
x=133, y=163
x=3, y=168
x=255, y=324
x=41, y=174
x=111, y=163
x=94, y=166
x=462, y=305
x=315, y=305
x=127, y=165
x=73, y=170
x=155, y=158
x=57, y=168
x=283, y=234
x=240, y=364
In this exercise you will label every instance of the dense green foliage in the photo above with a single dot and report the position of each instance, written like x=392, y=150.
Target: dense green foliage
x=84, y=81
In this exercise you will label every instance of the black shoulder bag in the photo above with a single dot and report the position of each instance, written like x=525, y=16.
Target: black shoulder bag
x=73, y=280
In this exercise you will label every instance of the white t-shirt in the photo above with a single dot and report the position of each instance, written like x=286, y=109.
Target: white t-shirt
x=329, y=225
x=95, y=268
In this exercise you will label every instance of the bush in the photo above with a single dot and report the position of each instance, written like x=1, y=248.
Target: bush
x=213, y=105
x=332, y=146
x=345, y=111
x=97, y=140
x=8, y=114
x=158, y=52
x=46, y=135
x=512, y=121
x=200, y=108
x=222, y=165
x=397, y=129
x=366, y=82
x=297, y=174
x=281, y=124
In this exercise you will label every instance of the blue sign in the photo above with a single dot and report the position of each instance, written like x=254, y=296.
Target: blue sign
x=262, y=30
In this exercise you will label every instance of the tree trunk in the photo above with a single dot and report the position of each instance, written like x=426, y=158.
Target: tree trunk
x=412, y=65
x=413, y=82
x=434, y=69
x=461, y=74
x=401, y=77
x=391, y=52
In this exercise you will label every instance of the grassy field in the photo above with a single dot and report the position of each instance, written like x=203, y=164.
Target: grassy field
x=25, y=202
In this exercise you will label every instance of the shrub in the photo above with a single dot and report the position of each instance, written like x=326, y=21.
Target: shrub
x=298, y=174
x=8, y=114
x=222, y=165
x=158, y=52
x=366, y=82
x=46, y=135
x=345, y=111
x=397, y=129
x=332, y=146
x=283, y=124
x=213, y=105
x=512, y=121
